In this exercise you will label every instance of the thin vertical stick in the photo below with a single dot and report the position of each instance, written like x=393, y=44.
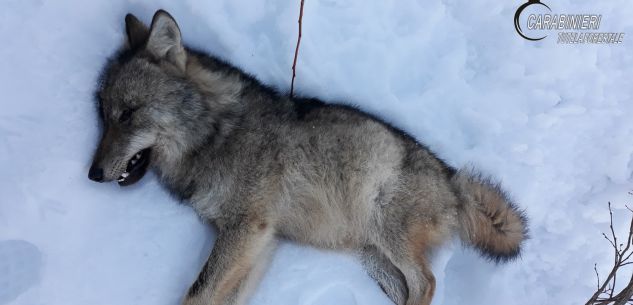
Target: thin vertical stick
x=294, y=62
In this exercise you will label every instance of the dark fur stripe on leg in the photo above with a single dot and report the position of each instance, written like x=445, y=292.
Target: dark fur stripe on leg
x=200, y=282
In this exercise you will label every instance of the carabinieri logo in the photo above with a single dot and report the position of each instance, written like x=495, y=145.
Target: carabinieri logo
x=571, y=28
x=517, y=17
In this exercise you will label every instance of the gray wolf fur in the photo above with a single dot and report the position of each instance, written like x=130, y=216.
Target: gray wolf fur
x=262, y=166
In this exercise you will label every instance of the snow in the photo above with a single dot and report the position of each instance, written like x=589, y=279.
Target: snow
x=554, y=123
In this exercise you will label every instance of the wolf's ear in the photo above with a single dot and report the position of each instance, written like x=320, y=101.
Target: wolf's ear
x=137, y=32
x=164, y=40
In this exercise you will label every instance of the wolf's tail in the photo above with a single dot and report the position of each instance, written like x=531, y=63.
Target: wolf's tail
x=488, y=220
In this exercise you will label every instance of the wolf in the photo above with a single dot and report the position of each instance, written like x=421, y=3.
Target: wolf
x=261, y=166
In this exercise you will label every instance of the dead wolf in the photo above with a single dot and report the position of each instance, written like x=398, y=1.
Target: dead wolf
x=262, y=166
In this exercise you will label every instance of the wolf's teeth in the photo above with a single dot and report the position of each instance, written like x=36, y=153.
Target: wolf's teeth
x=124, y=175
x=133, y=161
x=138, y=156
x=121, y=180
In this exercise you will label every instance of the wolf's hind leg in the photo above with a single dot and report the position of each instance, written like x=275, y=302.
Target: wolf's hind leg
x=239, y=256
x=408, y=253
x=390, y=279
x=419, y=279
x=429, y=279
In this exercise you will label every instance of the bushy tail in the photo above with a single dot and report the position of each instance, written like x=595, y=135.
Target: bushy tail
x=489, y=221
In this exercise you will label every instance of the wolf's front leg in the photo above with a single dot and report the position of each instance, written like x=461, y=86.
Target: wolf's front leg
x=237, y=260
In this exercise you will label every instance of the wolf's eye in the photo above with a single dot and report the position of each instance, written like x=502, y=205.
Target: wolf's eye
x=126, y=115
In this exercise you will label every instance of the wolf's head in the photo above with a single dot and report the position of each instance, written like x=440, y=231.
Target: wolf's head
x=150, y=108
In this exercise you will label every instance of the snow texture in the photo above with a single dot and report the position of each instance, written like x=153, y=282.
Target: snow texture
x=553, y=122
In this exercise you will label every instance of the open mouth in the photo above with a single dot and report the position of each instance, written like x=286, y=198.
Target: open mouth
x=136, y=168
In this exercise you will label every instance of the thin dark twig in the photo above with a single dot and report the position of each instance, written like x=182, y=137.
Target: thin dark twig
x=294, y=62
x=595, y=268
x=610, y=241
x=615, y=238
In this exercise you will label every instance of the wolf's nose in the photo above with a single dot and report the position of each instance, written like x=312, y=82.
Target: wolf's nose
x=95, y=174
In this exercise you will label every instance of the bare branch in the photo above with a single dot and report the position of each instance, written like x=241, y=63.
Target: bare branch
x=615, y=238
x=294, y=62
x=595, y=268
x=606, y=293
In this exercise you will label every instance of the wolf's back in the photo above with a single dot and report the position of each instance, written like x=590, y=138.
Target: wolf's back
x=489, y=221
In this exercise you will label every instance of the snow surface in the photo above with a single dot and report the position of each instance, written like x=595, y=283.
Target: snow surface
x=554, y=123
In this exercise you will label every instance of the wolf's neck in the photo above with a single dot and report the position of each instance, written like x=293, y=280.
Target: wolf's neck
x=218, y=94
x=235, y=104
